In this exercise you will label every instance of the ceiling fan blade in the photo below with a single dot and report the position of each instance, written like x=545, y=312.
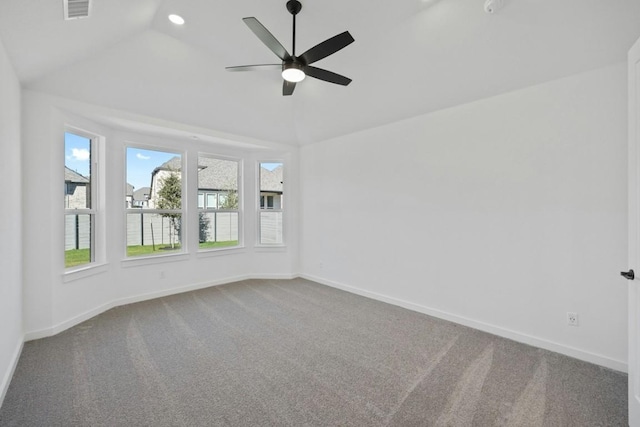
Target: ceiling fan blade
x=267, y=38
x=327, y=76
x=327, y=47
x=253, y=67
x=287, y=88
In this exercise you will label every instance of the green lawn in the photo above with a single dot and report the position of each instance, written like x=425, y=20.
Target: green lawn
x=134, y=251
x=209, y=245
x=75, y=257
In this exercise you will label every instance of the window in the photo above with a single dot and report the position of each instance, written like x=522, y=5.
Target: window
x=212, y=199
x=271, y=203
x=154, y=216
x=79, y=199
x=268, y=204
x=218, y=202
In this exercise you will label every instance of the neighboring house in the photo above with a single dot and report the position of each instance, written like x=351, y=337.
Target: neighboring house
x=141, y=197
x=157, y=178
x=271, y=188
x=216, y=179
x=129, y=196
x=77, y=190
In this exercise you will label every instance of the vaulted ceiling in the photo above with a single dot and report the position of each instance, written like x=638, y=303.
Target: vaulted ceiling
x=410, y=57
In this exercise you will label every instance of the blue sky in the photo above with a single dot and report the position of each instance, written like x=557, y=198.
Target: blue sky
x=270, y=166
x=77, y=153
x=140, y=164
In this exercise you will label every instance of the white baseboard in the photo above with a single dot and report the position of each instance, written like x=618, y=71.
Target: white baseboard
x=576, y=353
x=66, y=324
x=6, y=380
x=181, y=289
x=276, y=276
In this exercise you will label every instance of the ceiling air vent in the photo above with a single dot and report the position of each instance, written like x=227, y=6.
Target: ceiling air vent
x=76, y=9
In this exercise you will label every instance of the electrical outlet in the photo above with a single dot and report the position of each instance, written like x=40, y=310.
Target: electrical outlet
x=572, y=319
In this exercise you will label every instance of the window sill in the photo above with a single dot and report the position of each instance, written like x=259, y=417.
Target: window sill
x=155, y=259
x=271, y=248
x=204, y=253
x=83, y=272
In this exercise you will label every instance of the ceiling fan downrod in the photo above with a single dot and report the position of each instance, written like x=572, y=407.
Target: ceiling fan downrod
x=294, y=7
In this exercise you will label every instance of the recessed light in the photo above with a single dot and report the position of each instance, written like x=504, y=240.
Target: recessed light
x=176, y=19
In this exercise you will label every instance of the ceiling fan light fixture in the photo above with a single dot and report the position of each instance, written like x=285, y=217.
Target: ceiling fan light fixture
x=292, y=72
x=176, y=19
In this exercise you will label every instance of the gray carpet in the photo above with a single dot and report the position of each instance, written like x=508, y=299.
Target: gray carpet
x=296, y=353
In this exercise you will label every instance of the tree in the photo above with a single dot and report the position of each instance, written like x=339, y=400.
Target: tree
x=229, y=199
x=170, y=198
x=203, y=226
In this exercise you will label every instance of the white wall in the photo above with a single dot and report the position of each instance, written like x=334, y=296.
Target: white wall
x=10, y=223
x=503, y=214
x=55, y=300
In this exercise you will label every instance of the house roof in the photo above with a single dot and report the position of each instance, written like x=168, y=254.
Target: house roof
x=219, y=174
x=129, y=189
x=216, y=174
x=271, y=180
x=213, y=174
x=173, y=164
x=75, y=177
x=409, y=57
x=142, y=194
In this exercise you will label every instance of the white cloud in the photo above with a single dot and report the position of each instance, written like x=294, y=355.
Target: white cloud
x=80, y=154
x=142, y=157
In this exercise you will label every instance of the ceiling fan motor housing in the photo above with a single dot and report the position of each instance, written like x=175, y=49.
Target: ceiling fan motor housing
x=293, y=64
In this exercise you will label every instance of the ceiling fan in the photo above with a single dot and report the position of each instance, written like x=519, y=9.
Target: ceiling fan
x=295, y=68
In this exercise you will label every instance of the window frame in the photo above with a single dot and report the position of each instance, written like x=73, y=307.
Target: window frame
x=183, y=211
x=260, y=209
x=94, y=196
x=239, y=179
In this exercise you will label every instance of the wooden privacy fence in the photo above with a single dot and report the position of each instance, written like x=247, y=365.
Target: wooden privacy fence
x=146, y=229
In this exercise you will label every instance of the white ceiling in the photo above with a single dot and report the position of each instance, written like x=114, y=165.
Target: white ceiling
x=410, y=57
